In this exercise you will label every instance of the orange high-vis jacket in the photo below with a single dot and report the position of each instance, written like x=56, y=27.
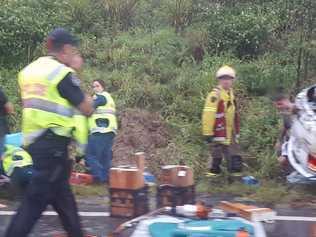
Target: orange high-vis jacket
x=220, y=118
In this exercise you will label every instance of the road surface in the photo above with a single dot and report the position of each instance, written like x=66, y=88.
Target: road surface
x=298, y=222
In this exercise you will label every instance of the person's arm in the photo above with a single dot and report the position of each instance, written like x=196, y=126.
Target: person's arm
x=85, y=107
x=209, y=113
x=70, y=90
x=9, y=108
x=99, y=100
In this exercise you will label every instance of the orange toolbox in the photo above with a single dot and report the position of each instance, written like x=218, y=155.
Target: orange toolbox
x=127, y=177
x=129, y=203
x=176, y=175
x=80, y=179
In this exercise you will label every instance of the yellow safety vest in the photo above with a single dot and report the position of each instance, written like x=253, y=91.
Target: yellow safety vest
x=81, y=132
x=105, y=112
x=43, y=107
x=15, y=157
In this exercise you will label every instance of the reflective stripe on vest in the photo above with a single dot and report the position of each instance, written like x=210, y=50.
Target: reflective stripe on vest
x=219, y=115
x=101, y=130
x=47, y=106
x=104, y=111
x=31, y=137
x=219, y=139
x=55, y=72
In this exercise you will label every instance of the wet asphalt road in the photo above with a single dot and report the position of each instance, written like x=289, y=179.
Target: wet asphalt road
x=49, y=226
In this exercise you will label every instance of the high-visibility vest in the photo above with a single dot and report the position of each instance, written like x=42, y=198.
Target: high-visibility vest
x=14, y=157
x=43, y=107
x=80, y=132
x=105, y=113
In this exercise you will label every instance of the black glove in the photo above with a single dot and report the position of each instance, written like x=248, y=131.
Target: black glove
x=209, y=139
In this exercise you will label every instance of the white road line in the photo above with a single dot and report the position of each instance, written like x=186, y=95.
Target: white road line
x=295, y=218
x=52, y=213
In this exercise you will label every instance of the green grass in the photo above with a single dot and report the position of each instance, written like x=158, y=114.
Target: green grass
x=90, y=190
x=268, y=192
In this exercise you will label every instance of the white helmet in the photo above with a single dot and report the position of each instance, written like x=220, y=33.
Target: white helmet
x=226, y=71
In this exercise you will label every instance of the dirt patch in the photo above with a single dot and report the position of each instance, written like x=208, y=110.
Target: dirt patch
x=139, y=130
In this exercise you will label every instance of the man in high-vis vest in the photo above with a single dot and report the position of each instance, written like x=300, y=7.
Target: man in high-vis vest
x=18, y=165
x=220, y=122
x=50, y=94
x=102, y=130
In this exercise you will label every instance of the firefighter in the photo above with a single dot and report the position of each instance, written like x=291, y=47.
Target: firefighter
x=220, y=123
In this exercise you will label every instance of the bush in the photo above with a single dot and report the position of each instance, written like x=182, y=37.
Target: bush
x=241, y=30
x=260, y=128
x=9, y=85
x=264, y=75
x=21, y=32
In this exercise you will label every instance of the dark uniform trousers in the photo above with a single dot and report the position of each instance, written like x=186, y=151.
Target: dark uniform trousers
x=20, y=179
x=49, y=185
x=230, y=152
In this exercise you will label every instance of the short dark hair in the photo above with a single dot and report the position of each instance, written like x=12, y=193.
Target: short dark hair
x=59, y=37
x=101, y=82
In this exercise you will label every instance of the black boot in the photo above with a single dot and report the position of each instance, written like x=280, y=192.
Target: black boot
x=235, y=164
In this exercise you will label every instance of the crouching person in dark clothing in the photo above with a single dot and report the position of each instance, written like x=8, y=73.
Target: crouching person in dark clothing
x=17, y=164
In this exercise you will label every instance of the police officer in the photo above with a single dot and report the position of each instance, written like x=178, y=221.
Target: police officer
x=220, y=121
x=102, y=130
x=17, y=164
x=50, y=91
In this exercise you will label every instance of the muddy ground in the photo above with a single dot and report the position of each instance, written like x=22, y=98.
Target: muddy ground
x=139, y=131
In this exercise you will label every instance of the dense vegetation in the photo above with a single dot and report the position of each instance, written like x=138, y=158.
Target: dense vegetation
x=161, y=55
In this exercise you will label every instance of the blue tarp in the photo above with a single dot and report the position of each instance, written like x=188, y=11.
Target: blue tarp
x=14, y=139
x=200, y=228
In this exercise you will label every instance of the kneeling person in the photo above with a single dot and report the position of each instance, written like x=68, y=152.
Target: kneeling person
x=18, y=165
